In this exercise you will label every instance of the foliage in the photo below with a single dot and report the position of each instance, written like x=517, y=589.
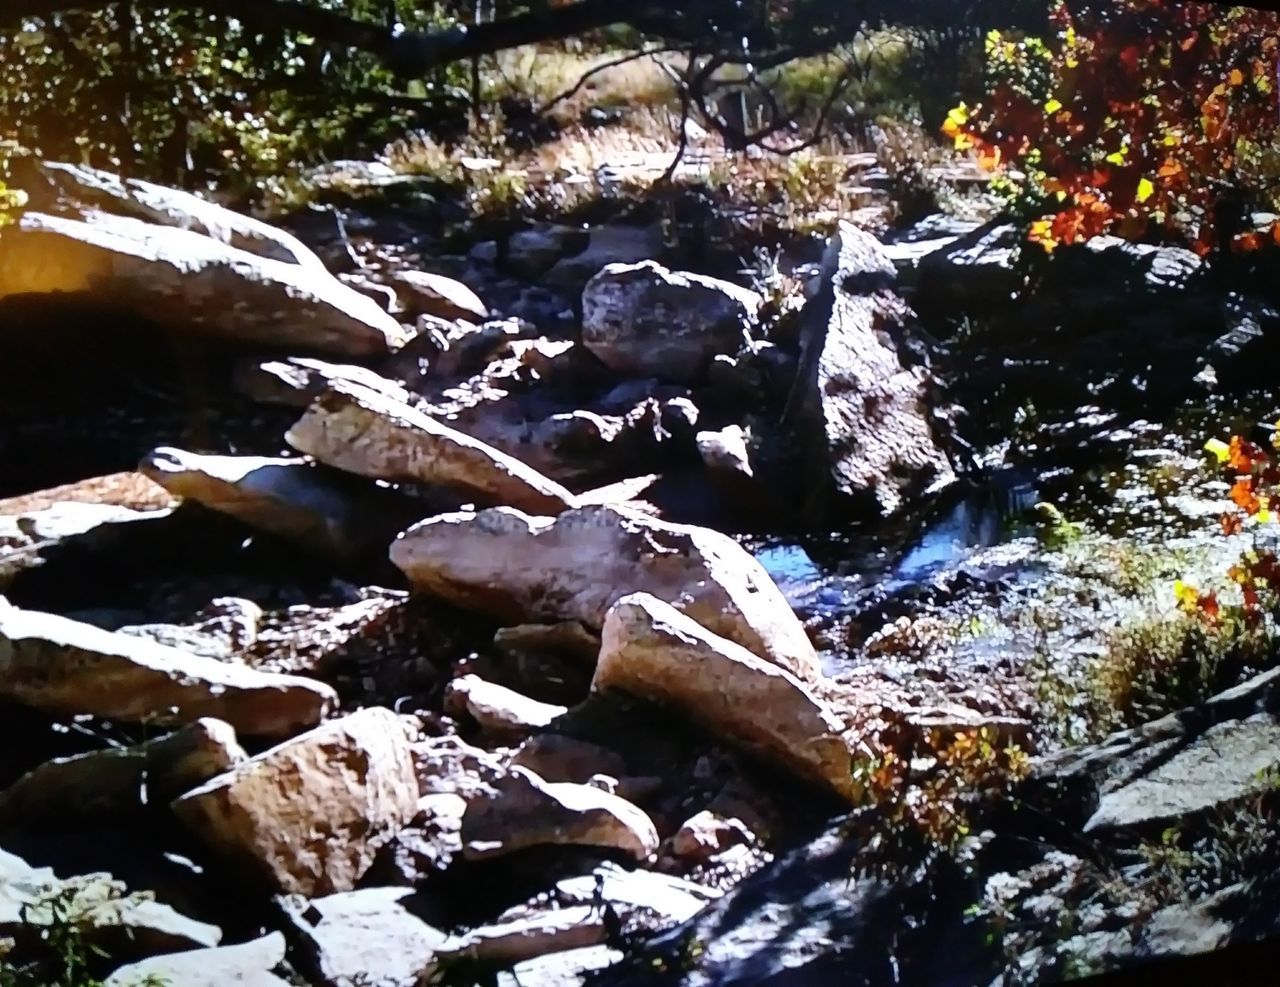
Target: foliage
x=1255, y=489
x=1142, y=118
x=62, y=955
x=931, y=795
x=177, y=95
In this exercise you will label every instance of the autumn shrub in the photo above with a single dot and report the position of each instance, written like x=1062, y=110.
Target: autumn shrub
x=1142, y=118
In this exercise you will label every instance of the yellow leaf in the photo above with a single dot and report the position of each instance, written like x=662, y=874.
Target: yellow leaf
x=1116, y=157
x=1187, y=595
x=1220, y=449
x=1052, y=106
x=1145, y=190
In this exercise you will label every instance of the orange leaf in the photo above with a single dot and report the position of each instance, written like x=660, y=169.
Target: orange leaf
x=1236, y=78
x=1231, y=524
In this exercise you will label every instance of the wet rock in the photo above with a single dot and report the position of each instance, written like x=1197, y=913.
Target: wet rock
x=861, y=402
x=499, y=709
x=250, y=963
x=375, y=436
x=652, y=650
x=371, y=936
x=121, y=780
x=574, y=567
x=125, y=925
x=186, y=280
x=317, y=510
x=62, y=666
x=436, y=295
x=644, y=320
x=554, y=757
x=310, y=814
x=527, y=811
x=297, y=381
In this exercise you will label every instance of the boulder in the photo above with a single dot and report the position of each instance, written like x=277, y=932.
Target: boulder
x=1173, y=769
x=224, y=629
x=451, y=766
x=319, y=510
x=120, y=780
x=310, y=814
x=497, y=708
x=431, y=842
x=574, y=567
x=705, y=835
x=643, y=320
x=66, y=667
x=725, y=451
x=532, y=252
x=374, y=435
x=52, y=186
x=436, y=295
x=861, y=402
x=371, y=936
x=185, y=280
x=250, y=963
x=527, y=811
x=654, y=651
x=527, y=937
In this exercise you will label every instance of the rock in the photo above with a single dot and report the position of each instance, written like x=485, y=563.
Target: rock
x=652, y=650
x=1176, y=767
x=497, y=708
x=28, y=539
x=469, y=351
x=670, y=899
x=310, y=814
x=555, y=757
x=449, y=765
x=318, y=510
x=725, y=450
x=373, y=435
x=129, y=489
x=702, y=837
x=120, y=780
x=975, y=272
x=249, y=963
x=563, y=969
x=62, y=666
x=644, y=320
x=574, y=567
x=432, y=841
x=371, y=936
x=298, y=381
x=382, y=294
x=509, y=943
x=532, y=252
x=229, y=627
x=607, y=245
x=187, y=281
x=52, y=185
x=860, y=404
x=126, y=926
x=437, y=295
x=527, y=811
x=567, y=638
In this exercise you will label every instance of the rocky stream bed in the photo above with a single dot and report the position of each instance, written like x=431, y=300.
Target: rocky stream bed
x=374, y=615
